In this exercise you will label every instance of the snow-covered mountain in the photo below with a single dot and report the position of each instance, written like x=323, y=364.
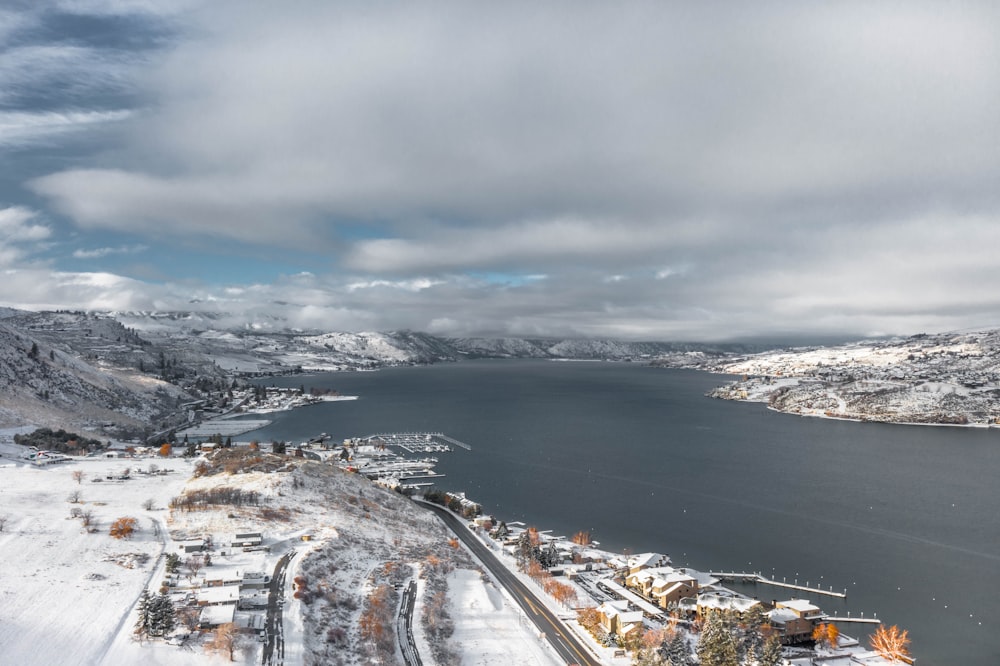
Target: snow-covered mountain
x=948, y=378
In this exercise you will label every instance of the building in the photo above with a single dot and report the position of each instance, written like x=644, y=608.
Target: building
x=617, y=619
x=795, y=620
x=191, y=546
x=717, y=600
x=247, y=540
x=215, y=616
x=637, y=563
x=663, y=584
x=219, y=596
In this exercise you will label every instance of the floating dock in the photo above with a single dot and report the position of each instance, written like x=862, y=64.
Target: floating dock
x=859, y=620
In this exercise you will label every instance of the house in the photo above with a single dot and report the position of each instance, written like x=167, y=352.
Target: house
x=221, y=576
x=219, y=596
x=215, y=616
x=246, y=539
x=795, y=620
x=672, y=587
x=191, y=546
x=717, y=600
x=617, y=619
x=254, y=580
x=250, y=599
x=637, y=563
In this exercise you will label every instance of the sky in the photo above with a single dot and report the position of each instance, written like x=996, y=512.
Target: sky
x=656, y=171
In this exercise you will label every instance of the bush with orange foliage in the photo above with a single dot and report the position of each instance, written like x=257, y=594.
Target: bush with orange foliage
x=123, y=527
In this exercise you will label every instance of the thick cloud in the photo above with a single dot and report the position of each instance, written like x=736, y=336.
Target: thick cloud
x=674, y=170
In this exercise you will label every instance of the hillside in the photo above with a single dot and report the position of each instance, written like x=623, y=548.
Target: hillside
x=341, y=584
x=951, y=378
x=47, y=380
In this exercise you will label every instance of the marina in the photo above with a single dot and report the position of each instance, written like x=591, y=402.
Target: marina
x=383, y=457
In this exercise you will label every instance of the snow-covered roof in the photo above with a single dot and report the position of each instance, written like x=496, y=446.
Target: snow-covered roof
x=781, y=616
x=216, y=615
x=647, y=560
x=734, y=602
x=801, y=606
x=219, y=595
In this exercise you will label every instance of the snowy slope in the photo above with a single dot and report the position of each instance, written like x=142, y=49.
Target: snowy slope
x=949, y=378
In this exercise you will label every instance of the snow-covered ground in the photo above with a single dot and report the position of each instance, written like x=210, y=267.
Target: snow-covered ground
x=488, y=630
x=66, y=593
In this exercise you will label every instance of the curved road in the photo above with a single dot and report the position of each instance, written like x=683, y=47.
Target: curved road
x=404, y=626
x=565, y=643
x=274, y=649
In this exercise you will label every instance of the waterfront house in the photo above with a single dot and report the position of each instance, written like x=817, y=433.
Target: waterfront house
x=717, y=600
x=795, y=620
x=672, y=587
x=637, y=563
x=617, y=619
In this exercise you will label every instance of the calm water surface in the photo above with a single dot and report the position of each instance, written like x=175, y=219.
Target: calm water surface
x=904, y=517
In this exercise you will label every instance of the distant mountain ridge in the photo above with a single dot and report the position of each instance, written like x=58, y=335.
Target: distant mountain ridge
x=132, y=372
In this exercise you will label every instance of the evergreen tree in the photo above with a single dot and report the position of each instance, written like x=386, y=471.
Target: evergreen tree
x=751, y=639
x=162, y=618
x=142, y=609
x=173, y=562
x=770, y=654
x=717, y=647
x=678, y=650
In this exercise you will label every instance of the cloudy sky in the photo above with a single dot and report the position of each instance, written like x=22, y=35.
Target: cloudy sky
x=696, y=171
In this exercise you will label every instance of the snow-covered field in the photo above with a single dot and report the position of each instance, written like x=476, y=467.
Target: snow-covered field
x=65, y=593
x=488, y=630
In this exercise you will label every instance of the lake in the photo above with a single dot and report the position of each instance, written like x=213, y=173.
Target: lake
x=904, y=517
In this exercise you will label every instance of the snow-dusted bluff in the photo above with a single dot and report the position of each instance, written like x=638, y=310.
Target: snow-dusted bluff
x=947, y=378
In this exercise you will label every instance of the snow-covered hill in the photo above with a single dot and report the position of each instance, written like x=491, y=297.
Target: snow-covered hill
x=951, y=378
x=45, y=380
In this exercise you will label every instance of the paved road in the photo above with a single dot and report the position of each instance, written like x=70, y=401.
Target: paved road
x=565, y=643
x=404, y=626
x=274, y=648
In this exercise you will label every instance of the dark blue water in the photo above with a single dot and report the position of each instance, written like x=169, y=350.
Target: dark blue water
x=904, y=517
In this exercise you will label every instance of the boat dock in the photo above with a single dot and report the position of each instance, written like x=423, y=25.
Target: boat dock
x=859, y=620
x=418, y=442
x=744, y=577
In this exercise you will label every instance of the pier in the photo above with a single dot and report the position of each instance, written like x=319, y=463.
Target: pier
x=743, y=577
x=859, y=620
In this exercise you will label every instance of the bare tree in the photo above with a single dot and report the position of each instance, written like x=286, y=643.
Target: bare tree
x=87, y=518
x=891, y=644
x=75, y=497
x=149, y=505
x=194, y=564
x=78, y=476
x=227, y=640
